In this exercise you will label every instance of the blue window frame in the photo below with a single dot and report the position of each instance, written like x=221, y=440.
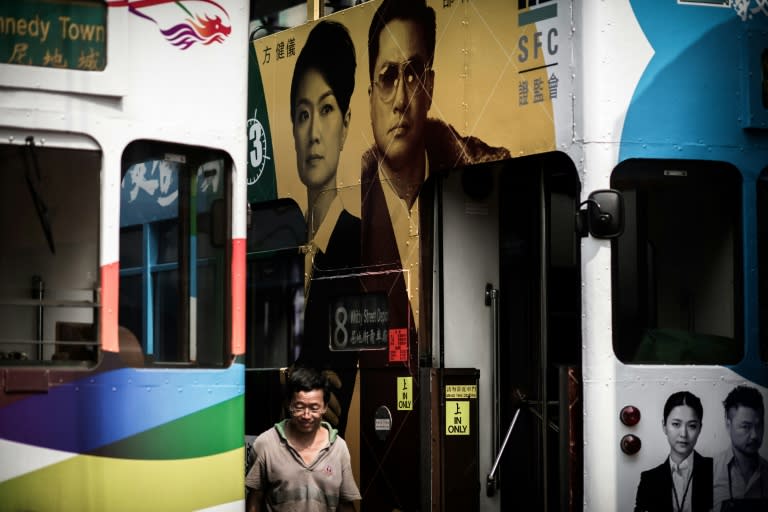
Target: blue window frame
x=174, y=260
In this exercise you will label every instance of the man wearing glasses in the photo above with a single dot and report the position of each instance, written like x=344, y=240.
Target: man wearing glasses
x=407, y=147
x=302, y=463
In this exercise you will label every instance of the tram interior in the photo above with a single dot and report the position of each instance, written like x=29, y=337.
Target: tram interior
x=677, y=293
x=49, y=220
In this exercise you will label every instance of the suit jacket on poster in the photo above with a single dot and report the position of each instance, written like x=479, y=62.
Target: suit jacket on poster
x=654, y=494
x=341, y=257
x=445, y=149
x=330, y=268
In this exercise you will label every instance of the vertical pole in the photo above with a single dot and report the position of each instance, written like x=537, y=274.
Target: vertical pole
x=543, y=334
x=38, y=287
x=492, y=300
x=564, y=445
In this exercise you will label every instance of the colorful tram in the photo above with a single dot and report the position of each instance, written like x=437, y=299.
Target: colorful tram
x=122, y=183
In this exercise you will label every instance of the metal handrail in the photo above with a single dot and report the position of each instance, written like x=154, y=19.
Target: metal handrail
x=490, y=486
x=492, y=300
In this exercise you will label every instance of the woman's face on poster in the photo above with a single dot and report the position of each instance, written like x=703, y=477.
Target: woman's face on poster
x=319, y=131
x=682, y=429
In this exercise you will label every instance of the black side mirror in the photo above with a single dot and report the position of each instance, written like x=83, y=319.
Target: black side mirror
x=604, y=215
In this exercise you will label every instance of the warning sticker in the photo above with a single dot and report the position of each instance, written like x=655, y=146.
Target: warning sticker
x=398, y=345
x=457, y=418
x=405, y=393
x=461, y=391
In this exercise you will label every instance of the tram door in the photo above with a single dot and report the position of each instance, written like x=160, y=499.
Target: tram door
x=508, y=280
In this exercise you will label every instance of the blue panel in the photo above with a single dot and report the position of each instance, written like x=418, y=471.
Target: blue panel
x=83, y=415
x=691, y=102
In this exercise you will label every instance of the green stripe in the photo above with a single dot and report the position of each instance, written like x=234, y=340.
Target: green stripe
x=216, y=429
x=538, y=14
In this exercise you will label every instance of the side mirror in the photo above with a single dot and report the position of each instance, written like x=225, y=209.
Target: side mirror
x=604, y=215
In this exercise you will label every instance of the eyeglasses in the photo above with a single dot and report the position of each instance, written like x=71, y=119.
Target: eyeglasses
x=411, y=72
x=300, y=409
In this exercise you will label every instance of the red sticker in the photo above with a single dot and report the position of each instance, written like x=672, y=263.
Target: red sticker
x=398, y=345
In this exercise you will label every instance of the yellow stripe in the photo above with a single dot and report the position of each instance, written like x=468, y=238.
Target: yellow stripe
x=89, y=483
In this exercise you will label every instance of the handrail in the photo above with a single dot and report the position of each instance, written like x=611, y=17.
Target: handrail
x=492, y=300
x=490, y=486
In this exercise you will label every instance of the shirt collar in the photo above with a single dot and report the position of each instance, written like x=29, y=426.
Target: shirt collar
x=323, y=233
x=332, y=432
x=684, y=466
x=762, y=464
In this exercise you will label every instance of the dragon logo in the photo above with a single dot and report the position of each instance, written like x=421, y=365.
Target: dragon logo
x=204, y=21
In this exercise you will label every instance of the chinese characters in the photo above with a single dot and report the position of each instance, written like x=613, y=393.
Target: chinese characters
x=50, y=39
x=283, y=50
x=537, y=89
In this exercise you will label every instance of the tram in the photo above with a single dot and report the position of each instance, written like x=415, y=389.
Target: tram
x=123, y=192
x=540, y=221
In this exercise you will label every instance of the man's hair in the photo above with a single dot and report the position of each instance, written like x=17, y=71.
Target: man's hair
x=745, y=396
x=308, y=379
x=416, y=11
x=329, y=51
x=683, y=398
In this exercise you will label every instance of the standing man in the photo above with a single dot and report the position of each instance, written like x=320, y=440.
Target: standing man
x=740, y=473
x=302, y=463
x=407, y=147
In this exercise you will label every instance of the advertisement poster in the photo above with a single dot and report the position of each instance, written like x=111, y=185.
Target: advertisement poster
x=350, y=115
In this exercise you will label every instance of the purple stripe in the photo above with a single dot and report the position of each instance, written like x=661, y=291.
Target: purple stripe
x=85, y=414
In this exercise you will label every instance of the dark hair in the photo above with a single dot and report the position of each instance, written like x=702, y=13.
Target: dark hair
x=683, y=398
x=416, y=11
x=329, y=51
x=308, y=379
x=746, y=396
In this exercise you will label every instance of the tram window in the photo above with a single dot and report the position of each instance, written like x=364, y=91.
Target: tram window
x=49, y=220
x=130, y=246
x=676, y=269
x=166, y=234
x=173, y=280
x=275, y=284
x=762, y=261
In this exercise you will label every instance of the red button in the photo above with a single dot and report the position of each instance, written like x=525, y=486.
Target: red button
x=630, y=415
x=630, y=444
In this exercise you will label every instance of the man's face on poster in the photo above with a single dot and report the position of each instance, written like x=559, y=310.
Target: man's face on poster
x=745, y=426
x=401, y=93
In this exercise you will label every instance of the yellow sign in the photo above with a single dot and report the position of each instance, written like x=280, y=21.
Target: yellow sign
x=461, y=391
x=457, y=418
x=405, y=393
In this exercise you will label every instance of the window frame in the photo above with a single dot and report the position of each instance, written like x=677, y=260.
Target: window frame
x=645, y=176
x=184, y=352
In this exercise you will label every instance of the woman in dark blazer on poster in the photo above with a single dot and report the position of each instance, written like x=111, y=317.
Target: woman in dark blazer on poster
x=321, y=92
x=683, y=482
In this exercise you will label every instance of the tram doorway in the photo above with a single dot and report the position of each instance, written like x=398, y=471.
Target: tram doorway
x=508, y=304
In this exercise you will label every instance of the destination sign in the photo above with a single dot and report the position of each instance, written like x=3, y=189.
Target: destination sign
x=359, y=322
x=54, y=33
